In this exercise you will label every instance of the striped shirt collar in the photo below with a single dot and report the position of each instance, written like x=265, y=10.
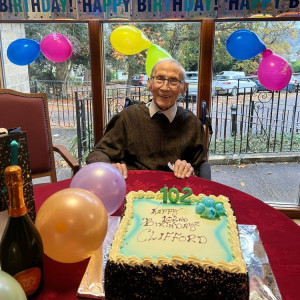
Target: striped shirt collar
x=169, y=113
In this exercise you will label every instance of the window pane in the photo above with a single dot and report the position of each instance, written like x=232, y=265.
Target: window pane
x=247, y=117
x=126, y=75
x=61, y=81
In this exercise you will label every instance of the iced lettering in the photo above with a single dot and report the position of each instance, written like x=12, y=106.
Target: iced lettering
x=147, y=222
x=142, y=236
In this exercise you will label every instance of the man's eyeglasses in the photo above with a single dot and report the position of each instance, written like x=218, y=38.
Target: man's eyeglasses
x=173, y=83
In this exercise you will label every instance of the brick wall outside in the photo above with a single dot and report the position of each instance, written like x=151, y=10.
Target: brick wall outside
x=15, y=77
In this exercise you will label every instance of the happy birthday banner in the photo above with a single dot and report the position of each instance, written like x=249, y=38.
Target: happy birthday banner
x=145, y=9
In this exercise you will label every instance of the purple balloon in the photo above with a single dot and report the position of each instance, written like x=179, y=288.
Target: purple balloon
x=103, y=180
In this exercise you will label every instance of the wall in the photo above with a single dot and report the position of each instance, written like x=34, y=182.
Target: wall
x=14, y=77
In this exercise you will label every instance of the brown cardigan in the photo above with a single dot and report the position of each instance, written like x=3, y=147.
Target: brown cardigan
x=145, y=143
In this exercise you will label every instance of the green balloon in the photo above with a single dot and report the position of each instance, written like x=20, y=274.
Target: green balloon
x=10, y=289
x=155, y=54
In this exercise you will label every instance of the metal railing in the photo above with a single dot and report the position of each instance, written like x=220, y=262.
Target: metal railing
x=262, y=122
x=61, y=99
x=246, y=123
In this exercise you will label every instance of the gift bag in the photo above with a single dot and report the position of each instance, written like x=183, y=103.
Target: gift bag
x=14, y=151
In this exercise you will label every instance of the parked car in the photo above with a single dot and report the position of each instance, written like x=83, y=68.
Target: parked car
x=237, y=74
x=190, y=74
x=233, y=84
x=139, y=80
x=291, y=87
x=293, y=84
x=192, y=85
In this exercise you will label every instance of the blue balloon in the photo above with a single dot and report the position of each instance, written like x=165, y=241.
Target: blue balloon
x=244, y=44
x=23, y=51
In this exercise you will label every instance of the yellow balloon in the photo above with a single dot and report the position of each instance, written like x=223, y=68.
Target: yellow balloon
x=154, y=55
x=129, y=40
x=72, y=224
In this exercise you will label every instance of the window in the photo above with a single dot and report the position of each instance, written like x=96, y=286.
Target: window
x=180, y=40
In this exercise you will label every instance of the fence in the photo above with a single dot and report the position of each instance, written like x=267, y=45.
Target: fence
x=246, y=123
x=262, y=122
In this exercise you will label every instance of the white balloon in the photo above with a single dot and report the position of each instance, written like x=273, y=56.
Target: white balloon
x=10, y=289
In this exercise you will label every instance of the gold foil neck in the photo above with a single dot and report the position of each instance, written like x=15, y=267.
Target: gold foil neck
x=13, y=176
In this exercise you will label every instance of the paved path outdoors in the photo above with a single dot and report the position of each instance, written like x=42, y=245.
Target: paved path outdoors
x=270, y=182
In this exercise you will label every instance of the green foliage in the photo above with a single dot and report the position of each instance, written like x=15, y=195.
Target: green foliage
x=296, y=66
x=181, y=40
x=275, y=35
x=44, y=69
x=73, y=142
x=108, y=75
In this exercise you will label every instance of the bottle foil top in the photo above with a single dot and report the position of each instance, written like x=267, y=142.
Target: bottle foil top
x=13, y=176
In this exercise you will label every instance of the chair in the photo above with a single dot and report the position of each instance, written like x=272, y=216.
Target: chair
x=205, y=167
x=30, y=112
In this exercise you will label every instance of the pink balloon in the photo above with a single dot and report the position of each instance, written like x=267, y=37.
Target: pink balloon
x=104, y=181
x=274, y=72
x=56, y=47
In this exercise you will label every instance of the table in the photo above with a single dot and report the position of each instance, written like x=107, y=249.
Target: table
x=280, y=236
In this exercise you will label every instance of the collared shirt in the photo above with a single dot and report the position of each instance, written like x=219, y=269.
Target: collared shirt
x=169, y=113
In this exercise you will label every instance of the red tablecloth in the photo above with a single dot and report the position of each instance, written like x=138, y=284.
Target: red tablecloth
x=280, y=235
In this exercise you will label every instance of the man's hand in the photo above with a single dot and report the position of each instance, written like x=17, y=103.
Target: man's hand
x=122, y=168
x=183, y=169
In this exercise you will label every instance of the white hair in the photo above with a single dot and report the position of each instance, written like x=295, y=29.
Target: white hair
x=173, y=61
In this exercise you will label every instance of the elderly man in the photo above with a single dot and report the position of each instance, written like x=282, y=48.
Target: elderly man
x=154, y=135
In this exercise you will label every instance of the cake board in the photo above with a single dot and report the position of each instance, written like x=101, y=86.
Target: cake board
x=262, y=281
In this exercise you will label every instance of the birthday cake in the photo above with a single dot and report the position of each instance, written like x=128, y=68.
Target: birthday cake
x=171, y=245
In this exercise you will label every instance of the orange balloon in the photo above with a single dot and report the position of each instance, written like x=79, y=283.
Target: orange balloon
x=72, y=224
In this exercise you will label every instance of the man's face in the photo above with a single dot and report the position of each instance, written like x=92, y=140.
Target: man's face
x=165, y=94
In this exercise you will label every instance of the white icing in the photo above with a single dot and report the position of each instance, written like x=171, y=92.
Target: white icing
x=152, y=237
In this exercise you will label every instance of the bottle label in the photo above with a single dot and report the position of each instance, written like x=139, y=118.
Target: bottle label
x=29, y=280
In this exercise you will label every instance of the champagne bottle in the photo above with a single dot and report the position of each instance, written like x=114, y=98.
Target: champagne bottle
x=21, y=250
